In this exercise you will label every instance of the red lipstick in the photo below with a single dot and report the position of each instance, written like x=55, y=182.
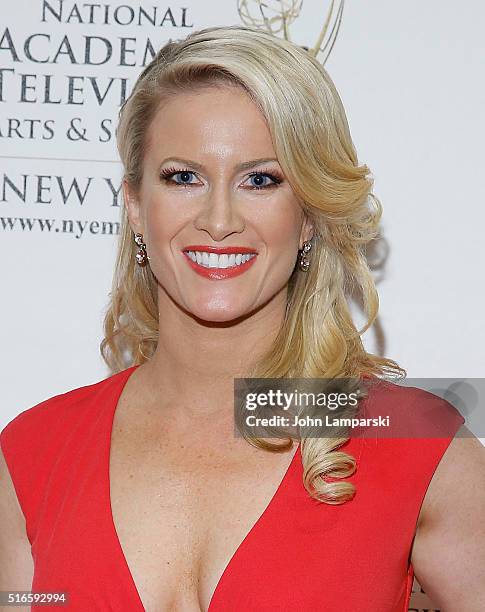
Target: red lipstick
x=220, y=273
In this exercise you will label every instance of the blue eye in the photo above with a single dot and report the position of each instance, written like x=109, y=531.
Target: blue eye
x=168, y=174
x=259, y=175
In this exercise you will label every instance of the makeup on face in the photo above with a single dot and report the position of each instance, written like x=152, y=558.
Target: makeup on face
x=218, y=206
x=218, y=263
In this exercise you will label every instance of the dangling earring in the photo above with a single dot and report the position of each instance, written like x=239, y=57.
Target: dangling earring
x=304, y=261
x=141, y=254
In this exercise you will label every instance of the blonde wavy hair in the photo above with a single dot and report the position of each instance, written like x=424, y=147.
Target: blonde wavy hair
x=311, y=138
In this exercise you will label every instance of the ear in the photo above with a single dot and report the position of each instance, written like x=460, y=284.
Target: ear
x=307, y=231
x=132, y=205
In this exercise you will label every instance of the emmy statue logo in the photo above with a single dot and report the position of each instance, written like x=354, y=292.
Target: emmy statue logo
x=276, y=16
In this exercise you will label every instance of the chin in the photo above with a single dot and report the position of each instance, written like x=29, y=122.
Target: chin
x=220, y=312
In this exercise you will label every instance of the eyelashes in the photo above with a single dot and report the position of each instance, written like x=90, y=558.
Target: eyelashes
x=167, y=174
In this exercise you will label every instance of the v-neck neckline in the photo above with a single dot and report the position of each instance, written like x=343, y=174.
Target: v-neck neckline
x=123, y=379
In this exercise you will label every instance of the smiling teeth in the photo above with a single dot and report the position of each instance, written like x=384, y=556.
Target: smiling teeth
x=212, y=260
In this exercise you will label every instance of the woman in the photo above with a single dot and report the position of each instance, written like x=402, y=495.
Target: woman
x=246, y=215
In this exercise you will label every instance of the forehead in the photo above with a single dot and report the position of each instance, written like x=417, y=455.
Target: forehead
x=220, y=121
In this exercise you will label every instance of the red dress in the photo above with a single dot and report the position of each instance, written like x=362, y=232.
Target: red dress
x=300, y=556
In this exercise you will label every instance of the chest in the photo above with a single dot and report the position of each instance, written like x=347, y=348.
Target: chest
x=195, y=530
x=181, y=514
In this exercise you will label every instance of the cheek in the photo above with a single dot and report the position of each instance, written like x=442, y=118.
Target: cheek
x=162, y=222
x=280, y=230
x=281, y=243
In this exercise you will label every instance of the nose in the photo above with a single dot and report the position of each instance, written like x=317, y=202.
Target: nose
x=219, y=216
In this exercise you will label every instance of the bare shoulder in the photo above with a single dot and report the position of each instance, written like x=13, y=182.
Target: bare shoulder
x=16, y=563
x=448, y=554
x=461, y=469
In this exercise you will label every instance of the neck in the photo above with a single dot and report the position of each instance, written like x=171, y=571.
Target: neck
x=196, y=361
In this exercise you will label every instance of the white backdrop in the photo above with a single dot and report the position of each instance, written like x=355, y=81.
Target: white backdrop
x=411, y=78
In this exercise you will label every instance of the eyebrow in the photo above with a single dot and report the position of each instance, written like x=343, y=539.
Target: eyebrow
x=242, y=166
